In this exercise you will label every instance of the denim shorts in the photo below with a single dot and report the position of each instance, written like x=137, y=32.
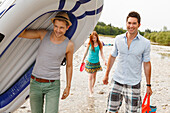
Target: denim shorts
x=49, y=92
x=131, y=94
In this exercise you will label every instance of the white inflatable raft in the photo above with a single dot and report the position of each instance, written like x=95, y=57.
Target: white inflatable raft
x=17, y=55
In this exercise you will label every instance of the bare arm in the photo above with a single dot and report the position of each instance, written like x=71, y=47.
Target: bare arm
x=102, y=55
x=33, y=34
x=147, y=70
x=69, y=68
x=87, y=49
x=111, y=61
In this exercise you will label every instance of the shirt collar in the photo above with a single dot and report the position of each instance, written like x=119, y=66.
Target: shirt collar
x=137, y=36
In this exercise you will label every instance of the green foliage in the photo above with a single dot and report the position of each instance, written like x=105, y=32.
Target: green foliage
x=162, y=38
x=142, y=33
x=147, y=31
x=102, y=28
x=101, y=24
x=165, y=28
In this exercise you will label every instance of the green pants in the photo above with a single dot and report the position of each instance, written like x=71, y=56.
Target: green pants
x=51, y=92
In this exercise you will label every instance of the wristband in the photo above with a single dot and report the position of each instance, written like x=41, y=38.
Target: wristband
x=148, y=85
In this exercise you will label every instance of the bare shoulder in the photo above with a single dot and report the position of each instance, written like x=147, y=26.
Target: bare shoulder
x=70, y=46
x=70, y=43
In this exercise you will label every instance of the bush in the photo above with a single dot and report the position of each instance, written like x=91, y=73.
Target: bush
x=162, y=38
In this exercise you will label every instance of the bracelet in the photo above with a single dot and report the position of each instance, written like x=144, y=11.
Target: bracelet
x=148, y=85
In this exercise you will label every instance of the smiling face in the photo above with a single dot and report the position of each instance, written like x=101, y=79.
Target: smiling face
x=60, y=28
x=94, y=38
x=132, y=25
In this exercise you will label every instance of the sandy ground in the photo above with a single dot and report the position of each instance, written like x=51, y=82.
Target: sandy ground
x=80, y=102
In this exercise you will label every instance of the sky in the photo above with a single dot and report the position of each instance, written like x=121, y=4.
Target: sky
x=155, y=14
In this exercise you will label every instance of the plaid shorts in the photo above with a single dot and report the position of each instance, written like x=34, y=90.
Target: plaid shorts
x=131, y=95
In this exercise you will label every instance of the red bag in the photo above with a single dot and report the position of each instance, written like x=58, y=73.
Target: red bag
x=146, y=108
x=82, y=67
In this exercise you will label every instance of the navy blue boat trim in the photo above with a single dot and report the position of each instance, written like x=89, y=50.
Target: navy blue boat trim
x=6, y=10
x=10, y=7
x=62, y=3
x=9, y=95
x=78, y=4
x=99, y=9
x=2, y=12
x=89, y=13
x=84, y=1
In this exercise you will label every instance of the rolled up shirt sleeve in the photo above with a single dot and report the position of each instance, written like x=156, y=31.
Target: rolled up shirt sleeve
x=115, y=50
x=146, y=54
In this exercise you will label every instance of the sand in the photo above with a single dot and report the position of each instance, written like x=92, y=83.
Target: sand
x=79, y=100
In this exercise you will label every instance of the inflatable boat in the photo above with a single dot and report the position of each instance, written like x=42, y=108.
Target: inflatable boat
x=17, y=55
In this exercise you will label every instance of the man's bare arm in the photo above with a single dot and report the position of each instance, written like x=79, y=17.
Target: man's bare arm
x=147, y=70
x=110, y=63
x=69, y=68
x=33, y=34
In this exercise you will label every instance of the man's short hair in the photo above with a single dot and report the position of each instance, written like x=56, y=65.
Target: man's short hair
x=135, y=15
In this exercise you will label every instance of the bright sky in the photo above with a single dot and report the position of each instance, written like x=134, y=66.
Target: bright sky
x=155, y=14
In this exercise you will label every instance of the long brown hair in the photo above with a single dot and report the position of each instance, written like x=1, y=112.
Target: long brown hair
x=94, y=33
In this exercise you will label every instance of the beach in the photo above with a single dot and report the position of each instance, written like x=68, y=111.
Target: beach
x=79, y=100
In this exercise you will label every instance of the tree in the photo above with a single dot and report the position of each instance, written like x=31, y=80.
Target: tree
x=101, y=24
x=165, y=28
x=110, y=25
x=147, y=31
